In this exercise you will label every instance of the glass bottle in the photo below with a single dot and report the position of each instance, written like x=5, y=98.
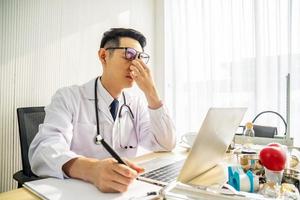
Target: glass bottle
x=249, y=130
x=249, y=133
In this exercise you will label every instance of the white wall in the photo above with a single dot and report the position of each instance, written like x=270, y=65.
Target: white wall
x=45, y=45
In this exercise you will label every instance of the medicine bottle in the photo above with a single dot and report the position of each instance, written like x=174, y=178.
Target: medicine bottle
x=249, y=130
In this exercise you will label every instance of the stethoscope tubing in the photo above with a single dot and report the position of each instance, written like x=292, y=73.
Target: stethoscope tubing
x=98, y=138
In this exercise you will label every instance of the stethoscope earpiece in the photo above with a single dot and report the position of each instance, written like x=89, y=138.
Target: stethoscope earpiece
x=128, y=147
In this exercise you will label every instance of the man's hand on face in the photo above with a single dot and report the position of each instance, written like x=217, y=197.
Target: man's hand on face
x=110, y=176
x=141, y=74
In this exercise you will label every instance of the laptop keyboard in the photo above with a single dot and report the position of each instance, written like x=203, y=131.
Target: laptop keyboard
x=165, y=174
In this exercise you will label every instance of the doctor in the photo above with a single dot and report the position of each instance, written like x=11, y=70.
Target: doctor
x=67, y=144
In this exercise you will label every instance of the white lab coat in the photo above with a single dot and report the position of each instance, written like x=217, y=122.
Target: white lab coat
x=69, y=129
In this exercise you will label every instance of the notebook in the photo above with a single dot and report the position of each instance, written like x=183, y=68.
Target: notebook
x=214, y=137
x=70, y=189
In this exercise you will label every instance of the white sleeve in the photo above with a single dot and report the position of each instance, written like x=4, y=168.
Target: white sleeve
x=50, y=149
x=156, y=129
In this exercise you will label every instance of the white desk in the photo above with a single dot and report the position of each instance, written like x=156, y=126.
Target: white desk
x=23, y=194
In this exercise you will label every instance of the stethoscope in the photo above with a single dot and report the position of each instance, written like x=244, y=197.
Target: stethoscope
x=98, y=137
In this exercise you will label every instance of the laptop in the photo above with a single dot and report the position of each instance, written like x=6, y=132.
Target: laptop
x=214, y=137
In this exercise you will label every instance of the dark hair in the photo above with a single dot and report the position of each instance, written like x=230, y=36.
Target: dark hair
x=112, y=37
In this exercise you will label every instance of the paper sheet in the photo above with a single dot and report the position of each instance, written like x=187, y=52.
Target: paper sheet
x=215, y=175
x=51, y=188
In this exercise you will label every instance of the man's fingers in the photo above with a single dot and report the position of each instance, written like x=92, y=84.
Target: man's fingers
x=113, y=177
x=134, y=71
x=139, y=66
x=135, y=167
x=124, y=170
x=118, y=187
x=145, y=67
x=119, y=178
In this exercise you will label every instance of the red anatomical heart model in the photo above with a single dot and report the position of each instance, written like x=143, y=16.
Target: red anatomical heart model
x=273, y=157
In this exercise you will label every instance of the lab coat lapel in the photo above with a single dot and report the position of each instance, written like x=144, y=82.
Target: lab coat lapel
x=89, y=91
x=102, y=106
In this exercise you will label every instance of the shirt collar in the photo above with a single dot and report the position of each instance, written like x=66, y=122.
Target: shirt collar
x=88, y=90
x=108, y=99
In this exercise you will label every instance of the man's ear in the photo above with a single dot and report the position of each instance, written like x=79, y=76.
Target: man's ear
x=102, y=53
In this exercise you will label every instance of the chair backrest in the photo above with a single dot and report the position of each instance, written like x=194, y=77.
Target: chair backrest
x=29, y=120
x=264, y=131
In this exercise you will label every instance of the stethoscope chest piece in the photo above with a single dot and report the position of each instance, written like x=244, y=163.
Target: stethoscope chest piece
x=98, y=139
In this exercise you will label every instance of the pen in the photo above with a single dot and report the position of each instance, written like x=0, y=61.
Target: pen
x=148, y=195
x=112, y=152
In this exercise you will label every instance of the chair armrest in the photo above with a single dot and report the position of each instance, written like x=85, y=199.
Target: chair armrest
x=21, y=178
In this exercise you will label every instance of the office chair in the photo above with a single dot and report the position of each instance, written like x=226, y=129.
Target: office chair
x=267, y=131
x=29, y=120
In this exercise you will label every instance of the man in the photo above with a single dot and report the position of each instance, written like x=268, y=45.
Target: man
x=67, y=144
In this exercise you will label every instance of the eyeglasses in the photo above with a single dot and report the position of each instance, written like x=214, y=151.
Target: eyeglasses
x=131, y=54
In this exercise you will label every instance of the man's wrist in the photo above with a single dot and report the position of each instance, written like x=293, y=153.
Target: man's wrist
x=155, y=105
x=81, y=168
x=153, y=99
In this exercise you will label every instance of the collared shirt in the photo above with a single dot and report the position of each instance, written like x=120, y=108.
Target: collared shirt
x=69, y=129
